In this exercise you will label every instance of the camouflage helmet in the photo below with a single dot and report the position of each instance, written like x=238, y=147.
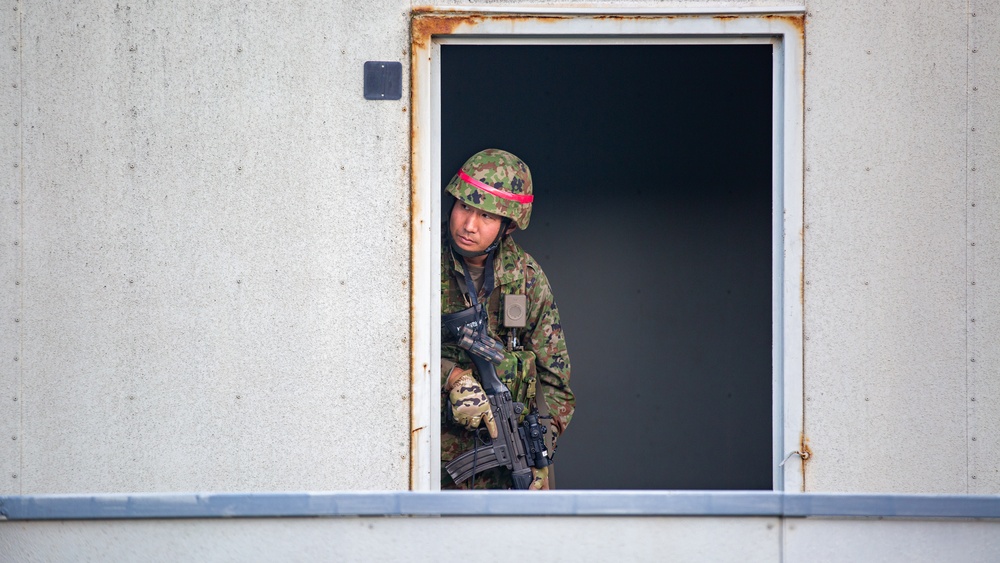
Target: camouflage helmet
x=497, y=182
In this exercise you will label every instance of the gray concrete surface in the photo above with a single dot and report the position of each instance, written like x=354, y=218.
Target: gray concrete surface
x=983, y=324
x=10, y=250
x=388, y=539
x=885, y=250
x=215, y=266
x=210, y=281
x=556, y=538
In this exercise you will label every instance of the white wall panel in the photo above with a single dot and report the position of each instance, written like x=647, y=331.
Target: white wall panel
x=213, y=246
x=558, y=538
x=216, y=255
x=984, y=257
x=885, y=301
x=10, y=256
x=395, y=539
x=849, y=540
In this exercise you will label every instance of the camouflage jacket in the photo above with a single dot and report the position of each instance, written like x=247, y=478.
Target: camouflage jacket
x=544, y=355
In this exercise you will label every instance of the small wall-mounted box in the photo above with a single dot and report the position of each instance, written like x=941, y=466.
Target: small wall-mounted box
x=383, y=80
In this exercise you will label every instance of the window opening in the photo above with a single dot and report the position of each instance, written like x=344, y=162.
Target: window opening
x=433, y=163
x=652, y=219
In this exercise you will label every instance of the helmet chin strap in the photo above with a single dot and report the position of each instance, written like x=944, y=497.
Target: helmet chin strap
x=493, y=246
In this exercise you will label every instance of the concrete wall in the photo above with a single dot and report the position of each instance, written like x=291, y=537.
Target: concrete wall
x=564, y=539
x=204, y=247
x=984, y=258
x=901, y=336
x=213, y=259
x=385, y=539
x=10, y=255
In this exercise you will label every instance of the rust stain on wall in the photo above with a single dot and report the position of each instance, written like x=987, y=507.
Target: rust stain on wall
x=426, y=22
x=620, y=17
x=802, y=268
x=797, y=21
x=423, y=27
x=806, y=454
x=805, y=449
x=415, y=210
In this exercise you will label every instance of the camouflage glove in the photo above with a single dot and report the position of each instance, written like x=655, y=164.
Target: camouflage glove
x=470, y=406
x=539, y=479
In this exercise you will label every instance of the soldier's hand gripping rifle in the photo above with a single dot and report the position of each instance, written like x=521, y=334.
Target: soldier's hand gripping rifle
x=518, y=447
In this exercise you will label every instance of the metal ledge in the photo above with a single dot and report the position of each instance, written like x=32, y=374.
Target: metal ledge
x=507, y=503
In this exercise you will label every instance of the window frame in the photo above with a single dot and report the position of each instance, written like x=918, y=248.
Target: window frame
x=781, y=27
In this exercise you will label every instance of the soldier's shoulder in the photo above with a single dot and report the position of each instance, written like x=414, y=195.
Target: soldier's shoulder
x=516, y=252
x=535, y=278
x=517, y=262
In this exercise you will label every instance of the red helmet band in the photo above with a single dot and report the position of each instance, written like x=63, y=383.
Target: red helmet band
x=520, y=198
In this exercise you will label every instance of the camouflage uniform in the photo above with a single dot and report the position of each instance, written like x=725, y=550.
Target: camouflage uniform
x=544, y=353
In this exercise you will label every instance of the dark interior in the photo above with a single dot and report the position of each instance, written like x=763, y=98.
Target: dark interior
x=652, y=219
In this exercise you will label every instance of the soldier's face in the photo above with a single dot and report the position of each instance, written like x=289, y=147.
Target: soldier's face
x=473, y=229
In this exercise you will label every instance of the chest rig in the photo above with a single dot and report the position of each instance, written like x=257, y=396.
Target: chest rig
x=514, y=306
x=515, y=366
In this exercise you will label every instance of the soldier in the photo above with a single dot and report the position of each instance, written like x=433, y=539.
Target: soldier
x=490, y=198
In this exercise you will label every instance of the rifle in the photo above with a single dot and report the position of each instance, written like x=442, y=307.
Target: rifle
x=518, y=447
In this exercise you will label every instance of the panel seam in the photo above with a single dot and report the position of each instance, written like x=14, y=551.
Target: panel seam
x=969, y=258
x=20, y=253
x=802, y=264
